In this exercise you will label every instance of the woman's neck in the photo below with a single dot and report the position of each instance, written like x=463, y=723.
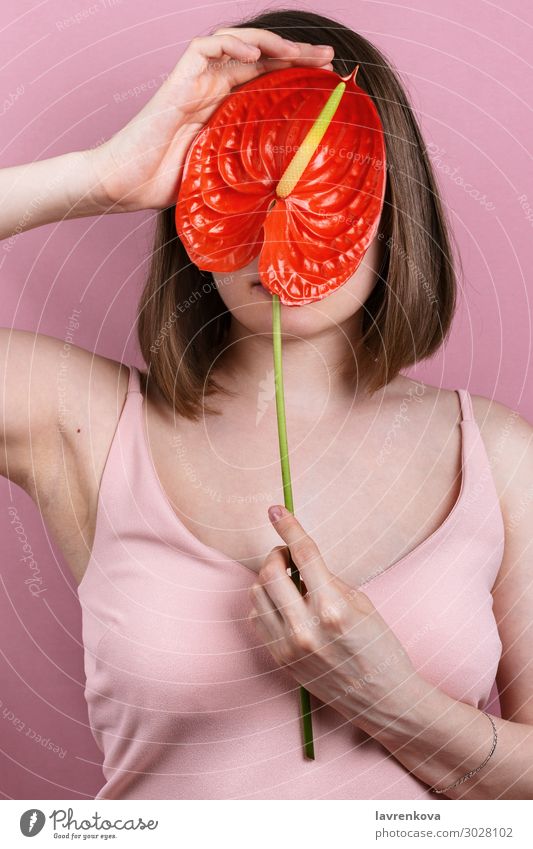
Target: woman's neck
x=320, y=372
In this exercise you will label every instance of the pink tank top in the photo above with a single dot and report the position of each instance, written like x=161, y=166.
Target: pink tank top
x=185, y=702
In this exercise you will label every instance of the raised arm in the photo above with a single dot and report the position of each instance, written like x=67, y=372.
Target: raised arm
x=139, y=166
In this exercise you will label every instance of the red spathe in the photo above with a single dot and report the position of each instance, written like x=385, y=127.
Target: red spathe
x=312, y=241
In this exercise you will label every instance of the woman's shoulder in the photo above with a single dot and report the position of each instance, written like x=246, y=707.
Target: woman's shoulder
x=55, y=387
x=508, y=439
x=493, y=417
x=94, y=388
x=507, y=436
x=430, y=405
x=505, y=432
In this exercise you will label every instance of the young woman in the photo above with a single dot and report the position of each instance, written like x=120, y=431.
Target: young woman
x=413, y=545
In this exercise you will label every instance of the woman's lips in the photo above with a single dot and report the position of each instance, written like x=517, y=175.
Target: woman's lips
x=257, y=286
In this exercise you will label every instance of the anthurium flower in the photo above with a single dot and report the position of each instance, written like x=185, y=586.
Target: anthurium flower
x=290, y=167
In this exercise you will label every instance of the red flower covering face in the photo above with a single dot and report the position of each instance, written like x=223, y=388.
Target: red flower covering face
x=290, y=167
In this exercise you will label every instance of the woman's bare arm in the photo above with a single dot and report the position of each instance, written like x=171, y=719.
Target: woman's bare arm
x=49, y=190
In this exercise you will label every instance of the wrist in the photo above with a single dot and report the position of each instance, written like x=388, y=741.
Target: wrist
x=107, y=181
x=87, y=193
x=402, y=715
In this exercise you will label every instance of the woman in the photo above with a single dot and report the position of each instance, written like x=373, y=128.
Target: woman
x=411, y=543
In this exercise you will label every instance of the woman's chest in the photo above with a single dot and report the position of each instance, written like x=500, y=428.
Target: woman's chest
x=366, y=506
x=175, y=630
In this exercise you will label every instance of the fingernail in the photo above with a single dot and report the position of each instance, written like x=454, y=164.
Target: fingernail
x=277, y=512
x=324, y=46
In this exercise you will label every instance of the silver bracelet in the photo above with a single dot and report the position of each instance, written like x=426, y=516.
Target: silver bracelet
x=473, y=771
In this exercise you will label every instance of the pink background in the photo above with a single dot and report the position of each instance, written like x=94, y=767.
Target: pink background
x=65, y=87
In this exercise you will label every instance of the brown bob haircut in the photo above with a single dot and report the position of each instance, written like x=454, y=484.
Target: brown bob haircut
x=183, y=321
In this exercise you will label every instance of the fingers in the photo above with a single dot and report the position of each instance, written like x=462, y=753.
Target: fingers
x=265, y=611
x=258, y=51
x=272, y=44
x=278, y=586
x=217, y=46
x=242, y=54
x=304, y=550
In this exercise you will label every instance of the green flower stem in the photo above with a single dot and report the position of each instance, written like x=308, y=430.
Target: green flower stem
x=305, y=699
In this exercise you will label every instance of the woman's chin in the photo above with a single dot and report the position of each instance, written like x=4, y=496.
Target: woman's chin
x=304, y=321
